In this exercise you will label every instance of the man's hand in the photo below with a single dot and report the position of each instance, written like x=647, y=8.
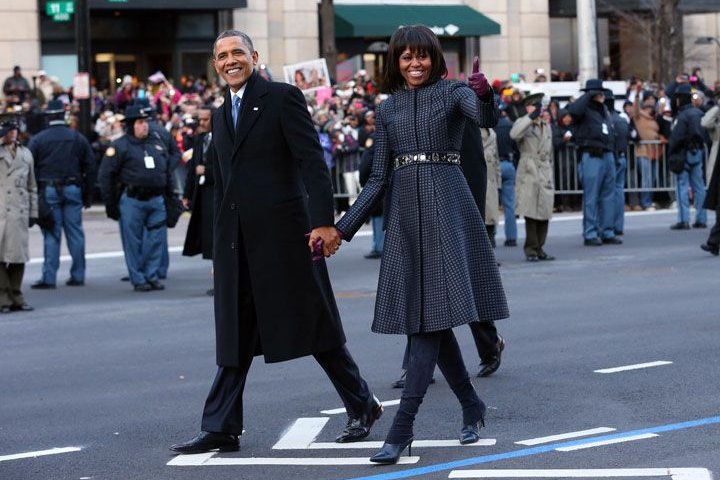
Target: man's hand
x=200, y=170
x=186, y=203
x=330, y=240
x=478, y=82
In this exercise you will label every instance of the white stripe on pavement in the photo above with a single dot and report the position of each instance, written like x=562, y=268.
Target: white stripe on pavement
x=99, y=255
x=674, y=473
x=633, y=367
x=301, y=433
x=583, y=446
x=39, y=453
x=335, y=411
x=565, y=436
x=484, y=442
x=207, y=460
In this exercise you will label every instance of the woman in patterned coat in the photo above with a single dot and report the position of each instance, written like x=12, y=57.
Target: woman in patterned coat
x=438, y=270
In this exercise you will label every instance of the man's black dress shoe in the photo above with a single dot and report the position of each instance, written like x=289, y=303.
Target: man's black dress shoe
x=545, y=257
x=143, y=287
x=612, y=241
x=21, y=308
x=511, y=243
x=156, y=285
x=680, y=226
x=207, y=441
x=358, y=428
x=42, y=286
x=490, y=366
x=400, y=382
x=390, y=452
x=699, y=225
x=592, y=242
x=74, y=283
x=714, y=249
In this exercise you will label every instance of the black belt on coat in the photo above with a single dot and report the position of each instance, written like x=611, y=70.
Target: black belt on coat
x=447, y=158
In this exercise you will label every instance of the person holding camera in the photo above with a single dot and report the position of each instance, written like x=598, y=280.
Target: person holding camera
x=134, y=180
x=18, y=212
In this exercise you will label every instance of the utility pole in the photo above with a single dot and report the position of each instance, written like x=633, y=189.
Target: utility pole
x=327, y=29
x=587, y=40
x=82, y=42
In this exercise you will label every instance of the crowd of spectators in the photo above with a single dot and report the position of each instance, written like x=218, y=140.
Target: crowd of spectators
x=344, y=116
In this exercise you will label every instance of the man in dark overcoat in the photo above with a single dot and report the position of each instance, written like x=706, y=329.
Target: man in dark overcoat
x=272, y=188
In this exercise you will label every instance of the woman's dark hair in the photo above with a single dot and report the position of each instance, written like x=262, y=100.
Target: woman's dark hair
x=419, y=39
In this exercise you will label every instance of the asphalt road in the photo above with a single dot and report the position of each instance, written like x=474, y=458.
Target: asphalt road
x=120, y=375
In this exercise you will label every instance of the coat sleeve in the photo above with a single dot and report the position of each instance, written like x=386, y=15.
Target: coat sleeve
x=520, y=128
x=190, y=177
x=107, y=177
x=677, y=136
x=88, y=167
x=304, y=143
x=578, y=107
x=376, y=185
x=484, y=114
x=710, y=117
x=32, y=189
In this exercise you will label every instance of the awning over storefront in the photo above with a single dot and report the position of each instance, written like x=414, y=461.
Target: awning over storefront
x=382, y=20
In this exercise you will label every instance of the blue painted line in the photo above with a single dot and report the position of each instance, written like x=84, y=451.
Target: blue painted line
x=525, y=452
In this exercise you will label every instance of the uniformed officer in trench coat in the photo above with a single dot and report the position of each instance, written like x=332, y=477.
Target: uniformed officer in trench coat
x=534, y=184
x=271, y=297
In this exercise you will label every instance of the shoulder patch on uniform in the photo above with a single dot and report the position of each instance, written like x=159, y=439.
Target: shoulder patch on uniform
x=110, y=152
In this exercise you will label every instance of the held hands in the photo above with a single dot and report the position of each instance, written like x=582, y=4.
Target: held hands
x=324, y=241
x=478, y=82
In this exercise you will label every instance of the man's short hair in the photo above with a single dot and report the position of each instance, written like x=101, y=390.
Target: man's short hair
x=234, y=33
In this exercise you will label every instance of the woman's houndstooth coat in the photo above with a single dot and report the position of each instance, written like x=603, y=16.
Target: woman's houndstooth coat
x=438, y=269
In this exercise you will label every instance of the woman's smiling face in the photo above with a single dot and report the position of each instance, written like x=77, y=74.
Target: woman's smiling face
x=415, y=67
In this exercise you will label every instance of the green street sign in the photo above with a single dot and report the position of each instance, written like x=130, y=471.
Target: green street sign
x=60, y=11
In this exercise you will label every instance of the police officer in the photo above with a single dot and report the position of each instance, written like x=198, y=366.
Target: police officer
x=621, y=137
x=134, y=179
x=158, y=131
x=593, y=136
x=687, y=139
x=65, y=171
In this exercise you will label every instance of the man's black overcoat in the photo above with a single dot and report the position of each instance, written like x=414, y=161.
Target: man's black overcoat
x=271, y=188
x=199, y=235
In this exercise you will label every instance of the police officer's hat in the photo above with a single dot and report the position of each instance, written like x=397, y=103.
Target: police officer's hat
x=134, y=112
x=533, y=98
x=55, y=106
x=7, y=126
x=683, y=89
x=143, y=103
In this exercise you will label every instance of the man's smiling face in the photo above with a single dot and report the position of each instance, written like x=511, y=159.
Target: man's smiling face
x=234, y=61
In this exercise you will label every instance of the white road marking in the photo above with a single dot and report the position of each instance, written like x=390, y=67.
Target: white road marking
x=336, y=411
x=99, y=255
x=565, y=436
x=206, y=459
x=484, y=442
x=39, y=453
x=633, y=367
x=674, y=473
x=607, y=442
x=301, y=433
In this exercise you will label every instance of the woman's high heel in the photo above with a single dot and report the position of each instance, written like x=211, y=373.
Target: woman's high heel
x=471, y=433
x=390, y=452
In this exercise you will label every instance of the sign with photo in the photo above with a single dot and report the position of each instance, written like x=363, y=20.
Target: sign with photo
x=308, y=76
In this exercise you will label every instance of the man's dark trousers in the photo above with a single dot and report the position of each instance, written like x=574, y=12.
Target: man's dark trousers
x=223, y=410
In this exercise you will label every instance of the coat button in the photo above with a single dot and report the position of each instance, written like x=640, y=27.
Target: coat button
x=232, y=245
x=232, y=206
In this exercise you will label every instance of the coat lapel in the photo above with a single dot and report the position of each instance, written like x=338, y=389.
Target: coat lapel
x=252, y=108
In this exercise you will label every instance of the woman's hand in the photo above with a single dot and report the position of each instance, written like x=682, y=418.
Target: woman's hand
x=329, y=239
x=478, y=82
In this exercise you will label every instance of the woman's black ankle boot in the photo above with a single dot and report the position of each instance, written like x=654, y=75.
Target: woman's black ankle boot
x=390, y=452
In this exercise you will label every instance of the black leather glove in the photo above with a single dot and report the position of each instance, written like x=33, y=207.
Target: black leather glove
x=113, y=212
x=87, y=200
x=33, y=221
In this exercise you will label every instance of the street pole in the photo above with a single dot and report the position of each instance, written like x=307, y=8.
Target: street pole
x=82, y=42
x=587, y=40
